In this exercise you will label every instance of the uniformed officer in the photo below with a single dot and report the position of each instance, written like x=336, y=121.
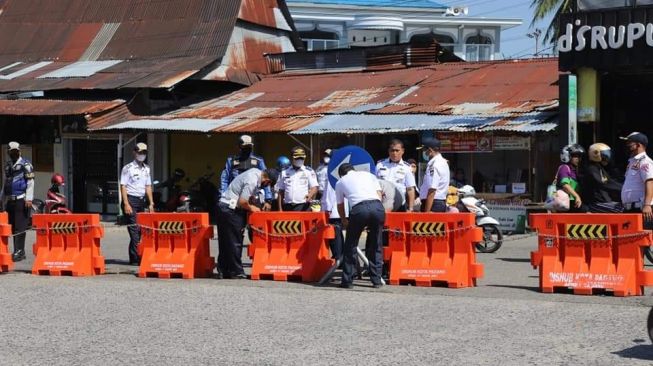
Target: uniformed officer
x=241, y=162
x=136, y=187
x=637, y=191
x=328, y=205
x=298, y=184
x=394, y=169
x=18, y=192
x=322, y=173
x=435, y=185
x=362, y=191
x=233, y=207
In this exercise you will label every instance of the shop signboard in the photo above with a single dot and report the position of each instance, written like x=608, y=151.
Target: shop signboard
x=606, y=38
x=511, y=143
x=465, y=142
x=512, y=218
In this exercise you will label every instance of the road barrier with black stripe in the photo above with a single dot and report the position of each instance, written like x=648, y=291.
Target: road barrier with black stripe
x=433, y=248
x=290, y=245
x=175, y=245
x=6, y=263
x=68, y=245
x=588, y=253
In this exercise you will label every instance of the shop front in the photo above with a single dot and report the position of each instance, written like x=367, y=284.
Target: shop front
x=608, y=52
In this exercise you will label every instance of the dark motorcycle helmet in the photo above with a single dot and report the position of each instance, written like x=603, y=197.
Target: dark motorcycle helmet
x=569, y=151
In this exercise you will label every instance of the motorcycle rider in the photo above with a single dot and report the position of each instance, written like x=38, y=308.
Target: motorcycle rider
x=17, y=194
x=244, y=160
x=568, y=176
x=283, y=163
x=601, y=192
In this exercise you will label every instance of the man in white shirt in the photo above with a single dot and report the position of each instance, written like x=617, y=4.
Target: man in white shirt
x=328, y=205
x=435, y=184
x=322, y=173
x=637, y=191
x=298, y=184
x=136, y=187
x=394, y=169
x=363, y=193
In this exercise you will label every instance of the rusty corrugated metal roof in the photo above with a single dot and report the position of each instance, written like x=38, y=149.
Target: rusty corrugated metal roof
x=501, y=90
x=160, y=42
x=49, y=107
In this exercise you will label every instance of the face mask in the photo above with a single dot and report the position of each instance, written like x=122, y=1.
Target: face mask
x=246, y=150
x=426, y=156
x=326, y=160
x=14, y=156
x=298, y=163
x=141, y=158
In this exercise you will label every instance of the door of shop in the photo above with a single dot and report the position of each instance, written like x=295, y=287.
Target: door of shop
x=94, y=176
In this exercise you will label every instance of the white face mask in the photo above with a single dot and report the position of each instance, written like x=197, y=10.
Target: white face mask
x=141, y=158
x=326, y=160
x=298, y=163
x=426, y=156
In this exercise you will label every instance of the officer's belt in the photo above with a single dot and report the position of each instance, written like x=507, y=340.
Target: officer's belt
x=15, y=198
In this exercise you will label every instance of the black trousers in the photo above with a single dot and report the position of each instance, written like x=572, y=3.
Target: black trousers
x=138, y=205
x=338, y=241
x=297, y=206
x=438, y=205
x=231, y=227
x=370, y=214
x=18, y=218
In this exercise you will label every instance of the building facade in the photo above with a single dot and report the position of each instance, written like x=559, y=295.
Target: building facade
x=606, y=51
x=329, y=24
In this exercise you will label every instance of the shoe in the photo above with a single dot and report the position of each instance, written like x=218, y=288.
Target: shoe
x=18, y=255
x=240, y=276
x=377, y=285
x=346, y=285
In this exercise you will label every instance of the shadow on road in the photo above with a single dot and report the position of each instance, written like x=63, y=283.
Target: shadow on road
x=515, y=260
x=639, y=352
x=529, y=288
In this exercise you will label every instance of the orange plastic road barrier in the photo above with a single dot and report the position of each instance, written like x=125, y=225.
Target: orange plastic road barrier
x=6, y=263
x=290, y=245
x=68, y=245
x=586, y=252
x=428, y=248
x=175, y=245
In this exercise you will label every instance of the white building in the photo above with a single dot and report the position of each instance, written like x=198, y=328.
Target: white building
x=326, y=24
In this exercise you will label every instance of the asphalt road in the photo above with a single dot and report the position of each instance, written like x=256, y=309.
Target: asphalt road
x=120, y=319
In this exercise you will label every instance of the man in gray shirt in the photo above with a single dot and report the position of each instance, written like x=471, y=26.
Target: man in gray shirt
x=238, y=200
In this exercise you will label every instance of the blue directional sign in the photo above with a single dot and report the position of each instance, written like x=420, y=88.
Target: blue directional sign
x=354, y=155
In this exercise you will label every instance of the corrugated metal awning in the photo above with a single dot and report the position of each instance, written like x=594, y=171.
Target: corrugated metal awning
x=50, y=107
x=181, y=124
x=397, y=123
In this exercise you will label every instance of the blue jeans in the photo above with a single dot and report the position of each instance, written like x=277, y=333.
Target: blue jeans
x=370, y=214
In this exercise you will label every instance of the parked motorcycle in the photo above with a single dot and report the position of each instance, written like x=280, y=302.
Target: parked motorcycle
x=55, y=202
x=200, y=196
x=492, y=235
x=174, y=192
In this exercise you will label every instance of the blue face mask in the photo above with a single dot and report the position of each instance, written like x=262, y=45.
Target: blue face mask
x=426, y=156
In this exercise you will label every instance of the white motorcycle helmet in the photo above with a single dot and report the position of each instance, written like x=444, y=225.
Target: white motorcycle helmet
x=466, y=190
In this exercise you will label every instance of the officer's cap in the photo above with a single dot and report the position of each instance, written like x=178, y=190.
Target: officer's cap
x=140, y=147
x=327, y=152
x=430, y=143
x=273, y=175
x=637, y=137
x=13, y=146
x=245, y=140
x=298, y=152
